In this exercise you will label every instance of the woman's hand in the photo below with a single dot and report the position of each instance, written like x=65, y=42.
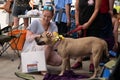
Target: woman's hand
x=77, y=23
x=85, y=26
x=111, y=12
x=48, y=34
x=115, y=47
x=68, y=23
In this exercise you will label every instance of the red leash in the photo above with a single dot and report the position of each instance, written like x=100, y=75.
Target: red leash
x=75, y=30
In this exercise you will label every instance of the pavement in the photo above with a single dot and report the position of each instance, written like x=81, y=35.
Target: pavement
x=9, y=67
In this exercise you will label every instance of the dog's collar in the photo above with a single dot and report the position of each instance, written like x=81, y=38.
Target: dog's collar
x=58, y=38
x=57, y=41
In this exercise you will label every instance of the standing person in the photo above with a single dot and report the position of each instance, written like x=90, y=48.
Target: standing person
x=8, y=8
x=44, y=26
x=19, y=8
x=62, y=15
x=94, y=17
x=106, y=30
x=34, y=4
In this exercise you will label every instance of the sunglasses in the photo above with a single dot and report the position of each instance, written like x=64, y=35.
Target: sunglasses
x=50, y=8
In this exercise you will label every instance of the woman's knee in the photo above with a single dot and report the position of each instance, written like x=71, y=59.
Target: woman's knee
x=55, y=59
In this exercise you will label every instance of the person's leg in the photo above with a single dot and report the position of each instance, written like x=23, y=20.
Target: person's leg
x=52, y=58
x=15, y=12
x=16, y=22
x=62, y=28
x=77, y=64
x=91, y=66
x=26, y=21
x=11, y=22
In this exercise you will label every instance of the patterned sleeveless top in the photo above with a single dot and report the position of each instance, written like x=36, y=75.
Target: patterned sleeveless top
x=86, y=8
x=22, y=2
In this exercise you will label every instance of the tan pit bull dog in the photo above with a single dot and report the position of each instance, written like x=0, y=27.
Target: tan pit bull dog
x=68, y=47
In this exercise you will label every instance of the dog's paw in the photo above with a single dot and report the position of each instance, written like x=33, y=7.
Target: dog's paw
x=61, y=74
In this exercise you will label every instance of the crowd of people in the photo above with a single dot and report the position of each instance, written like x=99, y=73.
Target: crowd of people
x=96, y=17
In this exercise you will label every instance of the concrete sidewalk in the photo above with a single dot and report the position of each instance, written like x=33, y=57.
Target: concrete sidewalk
x=8, y=67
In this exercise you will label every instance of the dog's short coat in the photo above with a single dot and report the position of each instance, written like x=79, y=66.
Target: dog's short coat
x=68, y=47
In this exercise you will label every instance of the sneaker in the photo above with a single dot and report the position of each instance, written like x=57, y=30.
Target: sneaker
x=91, y=68
x=77, y=65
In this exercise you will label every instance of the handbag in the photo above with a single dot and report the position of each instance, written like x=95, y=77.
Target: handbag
x=33, y=58
x=8, y=6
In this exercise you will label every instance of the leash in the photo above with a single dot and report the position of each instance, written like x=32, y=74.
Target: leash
x=77, y=29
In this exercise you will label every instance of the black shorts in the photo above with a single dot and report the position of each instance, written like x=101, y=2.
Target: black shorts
x=20, y=10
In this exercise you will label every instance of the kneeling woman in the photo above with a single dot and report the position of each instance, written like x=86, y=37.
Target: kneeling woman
x=40, y=26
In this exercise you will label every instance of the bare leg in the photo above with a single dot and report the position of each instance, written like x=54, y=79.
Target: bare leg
x=52, y=58
x=26, y=20
x=16, y=22
x=78, y=63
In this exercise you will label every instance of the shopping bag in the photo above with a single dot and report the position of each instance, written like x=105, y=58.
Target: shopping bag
x=33, y=59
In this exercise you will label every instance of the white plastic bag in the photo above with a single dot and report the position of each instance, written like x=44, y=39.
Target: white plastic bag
x=33, y=58
x=33, y=12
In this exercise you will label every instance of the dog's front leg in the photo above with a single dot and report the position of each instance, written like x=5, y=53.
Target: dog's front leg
x=68, y=63
x=64, y=64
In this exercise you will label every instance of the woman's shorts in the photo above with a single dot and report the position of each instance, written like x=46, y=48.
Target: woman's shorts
x=20, y=10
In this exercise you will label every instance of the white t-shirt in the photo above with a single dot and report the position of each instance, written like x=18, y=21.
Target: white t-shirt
x=37, y=28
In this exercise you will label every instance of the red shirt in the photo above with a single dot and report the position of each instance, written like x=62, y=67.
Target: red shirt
x=104, y=8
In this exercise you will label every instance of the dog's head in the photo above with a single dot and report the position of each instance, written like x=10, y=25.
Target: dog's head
x=44, y=39
x=47, y=39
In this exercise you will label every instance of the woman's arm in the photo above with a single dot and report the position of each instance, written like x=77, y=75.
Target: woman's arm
x=95, y=13
x=30, y=36
x=115, y=32
x=77, y=12
x=31, y=3
x=111, y=3
x=68, y=8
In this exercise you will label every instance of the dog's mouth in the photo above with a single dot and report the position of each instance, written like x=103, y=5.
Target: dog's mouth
x=42, y=43
x=39, y=42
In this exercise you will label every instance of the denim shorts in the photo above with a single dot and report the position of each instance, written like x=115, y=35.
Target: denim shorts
x=20, y=10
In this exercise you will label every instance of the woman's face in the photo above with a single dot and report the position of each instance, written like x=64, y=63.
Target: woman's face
x=47, y=16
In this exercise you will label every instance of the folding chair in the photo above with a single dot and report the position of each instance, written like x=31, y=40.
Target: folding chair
x=5, y=40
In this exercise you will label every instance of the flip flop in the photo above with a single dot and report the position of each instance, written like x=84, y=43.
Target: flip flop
x=24, y=76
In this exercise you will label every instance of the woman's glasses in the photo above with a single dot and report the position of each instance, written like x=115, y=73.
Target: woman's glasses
x=50, y=8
